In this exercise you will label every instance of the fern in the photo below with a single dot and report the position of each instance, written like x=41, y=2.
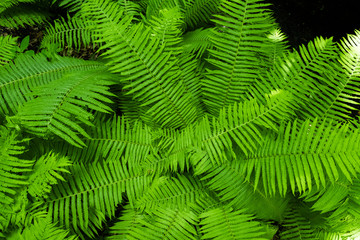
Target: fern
x=193, y=120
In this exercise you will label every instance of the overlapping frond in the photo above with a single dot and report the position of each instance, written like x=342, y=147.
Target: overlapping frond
x=240, y=125
x=72, y=33
x=111, y=140
x=44, y=228
x=228, y=182
x=20, y=16
x=148, y=72
x=297, y=227
x=61, y=106
x=173, y=192
x=238, y=40
x=19, y=79
x=197, y=41
x=303, y=154
x=93, y=191
x=199, y=12
x=7, y=49
x=225, y=223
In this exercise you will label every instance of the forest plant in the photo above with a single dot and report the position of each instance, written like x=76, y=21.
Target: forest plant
x=193, y=120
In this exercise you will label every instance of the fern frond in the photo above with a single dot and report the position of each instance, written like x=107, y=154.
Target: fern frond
x=297, y=227
x=19, y=79
x=72, y=5
x=228, y=182
x=8, y=48
x=147, y=70
x=199, y=12
x=304, y=154
x=111, y=140
x=225, y=223
x=131, y=8
x=173, y=192
x=20, y=16
x=61, y=105
x=197, y=41
x=43, y=228
x=92, y=192
x=238, y=41
x=240, y=125
x=46, y=172
x=13, y=170
x=73, y=33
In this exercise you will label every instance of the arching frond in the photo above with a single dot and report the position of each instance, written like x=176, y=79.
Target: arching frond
x=44, y=228
x=240, y=125
x=197, y=41
x=111, y=140
x=19, y=79
x=73, y=33
x=60, y=107
x=225, y=223
x=238, y=41
x=298, y=227
x=304, y=154
x=174, y=192
x=20, y=16
x=7, y=49
x=93, y=191
x=199, y=12
x=147, y=69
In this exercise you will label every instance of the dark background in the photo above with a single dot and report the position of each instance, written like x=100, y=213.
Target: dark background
x=303, y=20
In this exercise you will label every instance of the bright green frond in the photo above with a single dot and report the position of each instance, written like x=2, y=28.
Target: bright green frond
x=72, y=5
x=67, y=34
x=43, y=228
x=148, y=71
x=239, y=40
x=20, y=16
x=197, y=42
x=229, y=184
x=19, y=79
x=8, y=47
x=13, y=170
x=60, y=107
x=94, y=190
x=131, y=8
x=46, y=172
x=111, y=140
x=163, y=223
x=241, y=124
x=303, y=154
x=173, y=192
x=225, y=223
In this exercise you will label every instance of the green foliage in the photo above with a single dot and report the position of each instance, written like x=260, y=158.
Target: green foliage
x=192, y=120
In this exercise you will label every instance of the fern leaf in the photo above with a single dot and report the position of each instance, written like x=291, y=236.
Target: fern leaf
x=63, y=99
x=180, y=192
x=43, y=228
x=73, y=33
x=240, y=126
x=111, y=140
x=197, y=41
x=297, y=227
x=7, y=49
x=19, y=79
x=199, y=12
x=46, y=172
x=147, y=70
x=226, y=223
x=20, y=16
x=93, y=192
x=238, y=40
x=304, y=154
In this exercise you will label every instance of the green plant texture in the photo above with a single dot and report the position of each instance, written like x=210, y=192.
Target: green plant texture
x=189, y=119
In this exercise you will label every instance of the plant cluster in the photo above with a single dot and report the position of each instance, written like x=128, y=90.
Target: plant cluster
x=191, y=119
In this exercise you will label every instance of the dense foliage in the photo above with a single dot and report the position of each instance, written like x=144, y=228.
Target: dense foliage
x=188, y=119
